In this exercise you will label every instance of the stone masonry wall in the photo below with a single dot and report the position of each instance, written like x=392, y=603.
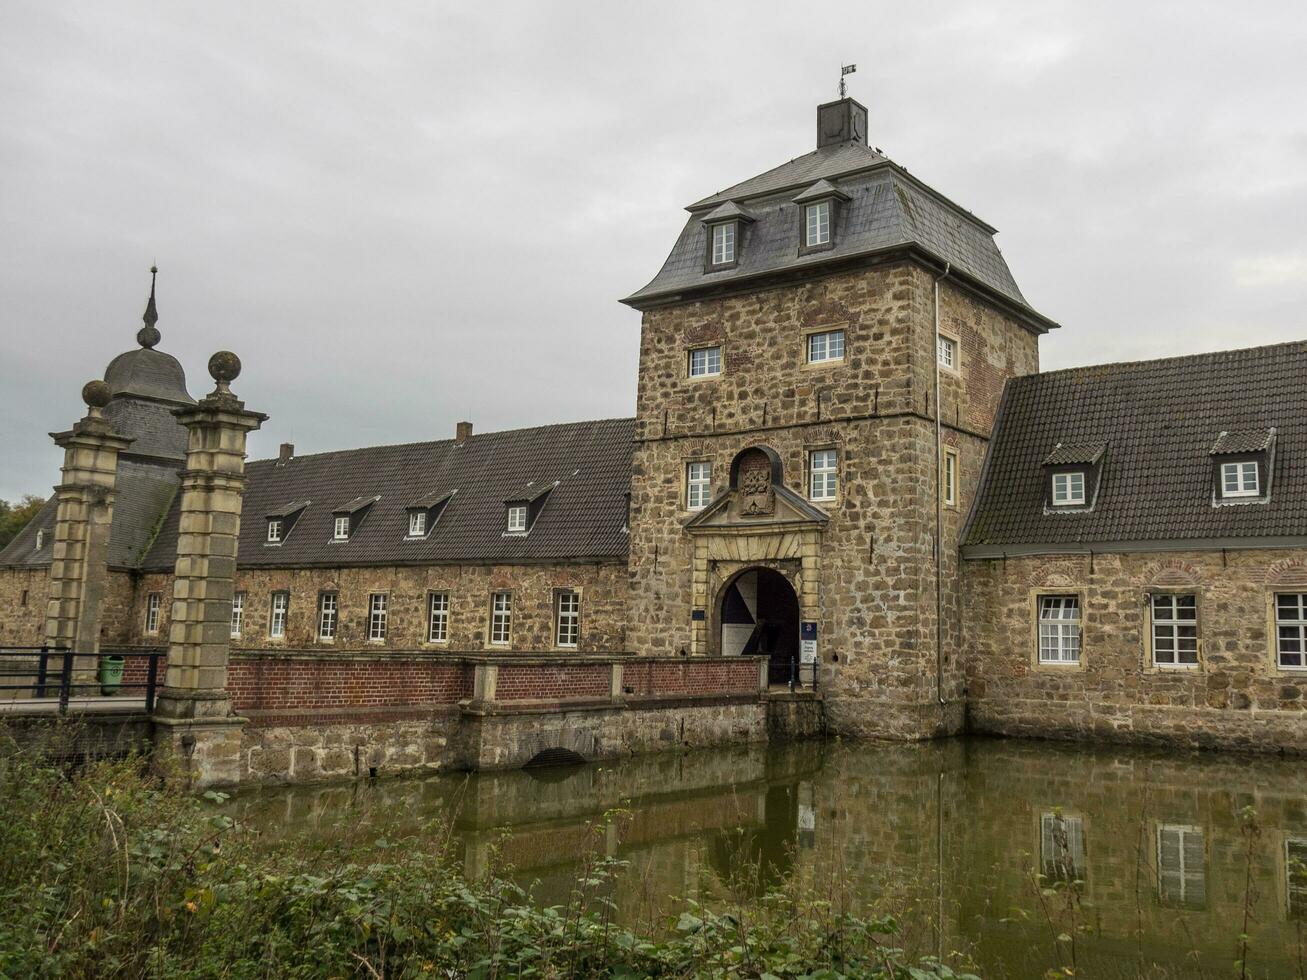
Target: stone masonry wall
x=1237, y=696
x=877, y=600
x=23, y=594
x=602, y=588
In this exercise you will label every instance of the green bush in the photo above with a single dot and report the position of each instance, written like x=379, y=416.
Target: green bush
x=103, y=872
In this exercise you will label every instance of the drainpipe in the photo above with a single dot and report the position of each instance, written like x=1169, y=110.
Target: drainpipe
x=939, y=507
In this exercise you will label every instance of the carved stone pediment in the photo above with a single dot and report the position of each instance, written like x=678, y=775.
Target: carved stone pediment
x=779, y=508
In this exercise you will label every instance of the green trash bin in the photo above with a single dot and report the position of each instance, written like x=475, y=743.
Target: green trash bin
x=111, y=674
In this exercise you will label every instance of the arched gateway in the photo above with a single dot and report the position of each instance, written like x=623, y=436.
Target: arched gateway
x=759, y=615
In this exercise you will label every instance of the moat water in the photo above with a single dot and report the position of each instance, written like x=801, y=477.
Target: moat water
x=1008, y=857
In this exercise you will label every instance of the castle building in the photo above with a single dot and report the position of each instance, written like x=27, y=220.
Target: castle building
x=844, y=457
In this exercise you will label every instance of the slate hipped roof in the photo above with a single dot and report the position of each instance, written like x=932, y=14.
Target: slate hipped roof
x=1159, y=421
x=887, y=210
x=583, y=519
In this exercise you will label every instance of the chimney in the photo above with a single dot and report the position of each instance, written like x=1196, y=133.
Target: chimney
x=844, y=121
x=462, y=431
x=286, y=454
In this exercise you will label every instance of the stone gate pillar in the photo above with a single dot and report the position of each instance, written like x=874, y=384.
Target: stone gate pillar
x=79, y=571
x=193, y=717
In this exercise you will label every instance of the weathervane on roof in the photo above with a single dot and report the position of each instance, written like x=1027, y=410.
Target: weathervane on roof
x=845, y=70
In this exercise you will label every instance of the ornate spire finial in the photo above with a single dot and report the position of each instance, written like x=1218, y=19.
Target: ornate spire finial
x=148, y=335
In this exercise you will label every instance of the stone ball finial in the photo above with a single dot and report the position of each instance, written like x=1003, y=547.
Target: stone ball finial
x=224, y=367
x=96, y=394
x=148, y=336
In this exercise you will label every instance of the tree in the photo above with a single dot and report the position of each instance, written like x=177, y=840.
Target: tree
x=16, y=516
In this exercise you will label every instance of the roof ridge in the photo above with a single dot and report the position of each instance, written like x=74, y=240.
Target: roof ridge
x=436, y=442
x=1232, y=353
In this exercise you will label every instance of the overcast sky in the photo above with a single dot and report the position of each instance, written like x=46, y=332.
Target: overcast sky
x=404, y=214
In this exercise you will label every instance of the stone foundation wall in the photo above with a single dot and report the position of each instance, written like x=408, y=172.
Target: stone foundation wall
x=1236, y=697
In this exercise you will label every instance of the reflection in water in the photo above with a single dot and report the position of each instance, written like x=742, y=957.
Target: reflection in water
x=990, y=850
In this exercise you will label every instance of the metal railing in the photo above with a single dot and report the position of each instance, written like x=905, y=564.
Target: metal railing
x=793, y=673
x=43, y=674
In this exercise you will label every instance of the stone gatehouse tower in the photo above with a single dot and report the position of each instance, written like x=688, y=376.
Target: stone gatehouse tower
x=821, y=359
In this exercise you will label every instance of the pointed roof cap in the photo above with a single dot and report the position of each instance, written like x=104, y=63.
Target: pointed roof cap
x=148, y=336
x=821, y=189
x=730, y=211
x=146, y=372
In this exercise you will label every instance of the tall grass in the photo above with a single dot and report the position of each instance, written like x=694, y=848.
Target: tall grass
x=105, y=872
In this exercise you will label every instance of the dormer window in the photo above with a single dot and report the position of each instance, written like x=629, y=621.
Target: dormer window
x=282, y=522
x=817, y=223
x=40, y=539
x=417, y=523
x=1069, y=489
x=723, y=243
x=348, y=519
x=1072, y=473
x=725, y=229
x=425, y=511
x=517, y=519
x=1242, y=465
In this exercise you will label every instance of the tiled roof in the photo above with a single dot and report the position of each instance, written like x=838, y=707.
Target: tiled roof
x=583, y=519
x=1256, y=441
x=1069, y=453
x=887, y=209
x=1161, y=419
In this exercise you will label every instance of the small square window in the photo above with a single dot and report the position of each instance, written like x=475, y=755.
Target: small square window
x=1069, y=489
x=823, y=474
x=705, y=362
x=341, y=532
x=723, y=243
x=947, y=350
x=826, y=346
x=1059, y=629
x=274, y=530
x=1240, y=479
x=517, y=519
x=417, y=523
x=817, y=224
x=698, y=485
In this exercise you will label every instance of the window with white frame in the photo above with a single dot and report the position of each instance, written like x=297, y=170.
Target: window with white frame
x=274, y=530
x=723, y=243
x=1181, y=871
x=237, y=613
x=947, y=350
x=1069, y=489
x=153, y=603
x=823, y=474
x=698, y=485
x=517, y=519
x=341, y=532
x=1240, y=479
x=501, y=617
x=567, y=618
x=1059, y=629
x=1061, y=847
x=438, y=617
x=825, y=346
x=1291, y=629
x=417, y=523
x=40, y=539
x=1295, y=878
x=705, y=361
x=377, y=605
x=1175, y=629
x=817, y=224
x=950, y=477
x=277, y=615
x=328, y=616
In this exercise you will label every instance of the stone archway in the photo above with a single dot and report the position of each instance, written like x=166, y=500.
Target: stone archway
x=758, y=615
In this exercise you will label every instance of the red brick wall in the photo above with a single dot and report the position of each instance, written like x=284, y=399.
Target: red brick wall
x=654, y=678
x=263, y=684
x=519, y=682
